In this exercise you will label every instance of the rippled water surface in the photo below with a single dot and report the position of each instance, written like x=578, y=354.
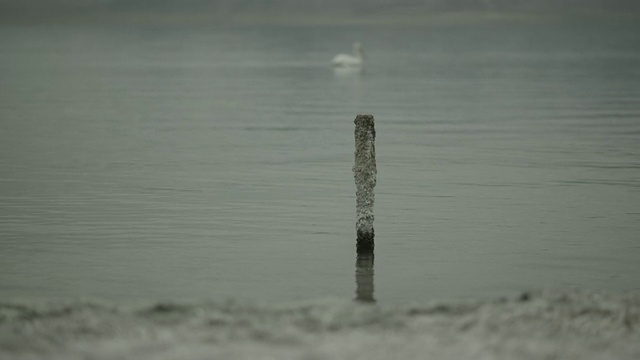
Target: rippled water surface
x=207, y=163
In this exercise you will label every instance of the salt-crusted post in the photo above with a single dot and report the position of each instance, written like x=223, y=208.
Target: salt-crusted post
x=364, y=171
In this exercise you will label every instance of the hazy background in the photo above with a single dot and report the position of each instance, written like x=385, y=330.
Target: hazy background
x=282, y=11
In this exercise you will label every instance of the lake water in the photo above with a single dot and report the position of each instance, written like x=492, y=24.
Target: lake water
x=146, y=163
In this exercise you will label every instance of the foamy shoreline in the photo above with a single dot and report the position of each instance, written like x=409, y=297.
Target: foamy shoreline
x=537, y=325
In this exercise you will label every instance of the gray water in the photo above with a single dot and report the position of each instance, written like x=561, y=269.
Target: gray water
x=208, y=163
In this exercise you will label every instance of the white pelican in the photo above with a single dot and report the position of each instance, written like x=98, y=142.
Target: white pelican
x=345, y=60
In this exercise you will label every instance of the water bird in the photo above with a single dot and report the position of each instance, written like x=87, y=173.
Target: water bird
x=346, y=60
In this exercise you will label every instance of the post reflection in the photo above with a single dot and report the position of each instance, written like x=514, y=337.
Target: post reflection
x=364, y=278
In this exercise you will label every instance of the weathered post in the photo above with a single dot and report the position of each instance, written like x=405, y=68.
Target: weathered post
x=364, y=172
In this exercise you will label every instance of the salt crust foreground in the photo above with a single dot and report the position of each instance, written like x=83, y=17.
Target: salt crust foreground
x=540, y=325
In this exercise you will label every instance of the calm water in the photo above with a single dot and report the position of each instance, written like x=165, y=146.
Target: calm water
x=206, y=163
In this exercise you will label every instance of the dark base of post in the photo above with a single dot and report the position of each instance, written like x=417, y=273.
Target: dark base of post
x=364, y=243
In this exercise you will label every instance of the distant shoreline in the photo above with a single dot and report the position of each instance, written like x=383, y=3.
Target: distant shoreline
x=275, y=18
